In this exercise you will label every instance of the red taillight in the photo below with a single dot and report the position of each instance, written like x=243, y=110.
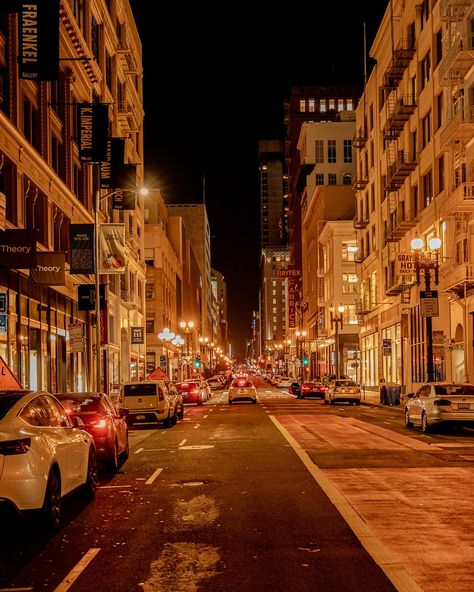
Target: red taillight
x=305, y=388
x=15, y=446
x=194, y=392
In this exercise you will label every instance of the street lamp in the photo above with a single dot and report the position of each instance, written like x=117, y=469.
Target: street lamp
x=426, y=260
x=98, y=199
x=337, y=318
x=178, y=342
x=187, y=327
x=300, y=350
x=203, y=342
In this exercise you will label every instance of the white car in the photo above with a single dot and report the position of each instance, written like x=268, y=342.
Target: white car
x=44, y=455
x=342, y=389
x=440, y=402
x=242, y=389
x=283, y=382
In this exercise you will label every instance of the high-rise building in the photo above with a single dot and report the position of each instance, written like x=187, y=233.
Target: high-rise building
x=273, y=212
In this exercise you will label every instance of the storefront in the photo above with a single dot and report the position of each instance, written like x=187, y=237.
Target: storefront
x=369, y=359
x=392, y=354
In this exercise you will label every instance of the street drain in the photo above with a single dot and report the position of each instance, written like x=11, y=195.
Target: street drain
x=192, y=483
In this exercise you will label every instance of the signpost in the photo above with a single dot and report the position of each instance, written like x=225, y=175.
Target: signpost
x=429, y=303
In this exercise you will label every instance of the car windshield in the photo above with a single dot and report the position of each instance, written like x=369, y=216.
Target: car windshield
x=345, y=383
x=186, y=386
x=455, y=389
x=7, y=402
x=80, y=404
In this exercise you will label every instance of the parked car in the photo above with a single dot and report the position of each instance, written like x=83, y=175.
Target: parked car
x=440, y=402
x=312, y=388
x=283, y=382
x=215, y=383
x=176, y=394
x=192, y=392
x=148, y=401
x=106, y=424
x=44, y=454
x=242, y=389
x=295, y=389
x=342, y=389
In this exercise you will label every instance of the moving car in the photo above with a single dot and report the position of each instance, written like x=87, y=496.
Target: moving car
x=192, y=392
x=44, y=454
x=106, y=424
x=215, y=383
x=342, y=389
x=148, y=401
x=440, y=402
x=283, y=382
x=312, y=389
x=242, y=389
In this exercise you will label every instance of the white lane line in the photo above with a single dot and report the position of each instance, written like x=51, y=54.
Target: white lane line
x=76, y=571
x=196, y=426
x=113, y=486
x=15, y=589
x=164, y=433
x=211, y=410
x=139, y=450
x=150, y=480
x=183, y=442
x=204, y=416
x=392, y=567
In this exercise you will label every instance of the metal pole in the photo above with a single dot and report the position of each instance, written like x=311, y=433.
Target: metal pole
x=97, y=281
x=337, y=349
x=429, y=336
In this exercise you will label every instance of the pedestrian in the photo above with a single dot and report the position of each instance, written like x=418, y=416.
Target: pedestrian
x=383, y=391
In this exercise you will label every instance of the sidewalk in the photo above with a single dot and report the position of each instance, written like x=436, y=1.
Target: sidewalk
x=371, y=397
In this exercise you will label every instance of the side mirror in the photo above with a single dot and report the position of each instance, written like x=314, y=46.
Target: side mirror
x=123, y=412
x=410, y=395
x=76, y=421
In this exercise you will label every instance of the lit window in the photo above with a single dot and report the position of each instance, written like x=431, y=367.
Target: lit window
x=322, y=105
x=302, y=105
x=311, y=105
x=340, y=104
x=332, y=104
x=350, y=105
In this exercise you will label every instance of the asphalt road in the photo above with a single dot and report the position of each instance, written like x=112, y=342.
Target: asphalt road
x=283, y=495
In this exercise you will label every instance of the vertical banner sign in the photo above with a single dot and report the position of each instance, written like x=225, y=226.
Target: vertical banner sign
x=39, y=40
x=92, y=130
x=81, y=241
x=86, y=297
x=106, y=168
x=138, y=335
x=17, y=249
x=292, y=291
x=50, y=269
x=76, y=337
x=112, y=248
x=104, y=327
x=122, y=176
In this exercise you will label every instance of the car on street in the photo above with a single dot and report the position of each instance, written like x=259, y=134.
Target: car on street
x=283, y=382
x=342, y=390
x=148, y=401
x=104, y=422
x=177, y=397
x=192, y=391
x=312, y=388
x=44, y=455
x=440, y=403
x=215, y=383
x=242, y=389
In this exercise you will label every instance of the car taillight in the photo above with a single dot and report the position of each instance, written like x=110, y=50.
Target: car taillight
x=194, y=392
x=15, y=446
x=442, y=403
x=305, y=388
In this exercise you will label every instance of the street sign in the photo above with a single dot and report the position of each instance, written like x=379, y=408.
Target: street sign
x=76, y=337
x=387, y=347
x=429, y=303
x=405, y=264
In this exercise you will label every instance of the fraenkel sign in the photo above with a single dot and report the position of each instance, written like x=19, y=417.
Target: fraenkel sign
x=18, y=249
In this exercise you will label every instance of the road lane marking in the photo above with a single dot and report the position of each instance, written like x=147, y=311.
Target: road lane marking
x=76, y=571
x=196, y=426
x=388, y=562
x=205, y=416
x=150, y=480
x=196, y=447
x=183, y=442
x=15, y=589
x=139, y=450
x=112, y=486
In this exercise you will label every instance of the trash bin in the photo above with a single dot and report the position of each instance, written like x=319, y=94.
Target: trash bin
x=393, y=395
x=383, y=394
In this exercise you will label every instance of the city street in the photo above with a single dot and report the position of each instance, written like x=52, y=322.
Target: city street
x=250, y=497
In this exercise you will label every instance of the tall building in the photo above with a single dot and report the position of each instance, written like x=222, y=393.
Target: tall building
x=198, y=231
x=415, y=128
x=273, y=206
x=50, y=182
x=219, y=291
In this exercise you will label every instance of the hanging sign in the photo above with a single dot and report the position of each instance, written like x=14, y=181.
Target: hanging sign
x=137, y=334
x=92, y=129
x=81, y=241
x=38, y=55
x=112, y=248
x=86, y=297
x=387, y=347
x=76, y=337
x=50, y=269
x=405, y=264
x=429, y=303
x=18, y=249
x=292, y=290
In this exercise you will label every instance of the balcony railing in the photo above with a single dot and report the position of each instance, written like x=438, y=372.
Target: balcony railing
x=457, y=59
x=453, y=9
x=459, y=129
x=399, y=227
x=401, y=58
x=360, y=138
x=461, y=199
x=361, y=182
x=398, y=171
x=360, y=223
x=399, y=112
x=456, y=278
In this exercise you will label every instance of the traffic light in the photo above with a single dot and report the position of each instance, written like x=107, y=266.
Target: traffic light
x=305, y=361
x=197, y=363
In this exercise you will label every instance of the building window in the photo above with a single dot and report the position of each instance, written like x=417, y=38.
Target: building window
x=150, y=257
x=319, y=179
x=349, y=283
x=425, y=70
x=340, y=104
x=322, y=105
x=440, y=173
x=311, y=105
x=439, y=47
x=427, y=188
x=332, y=179
x=319, y=151
x=331, y=151
x=347, y=179
x=349, y=251
x=150, y=325
x=426, y=129
x=350, y=105
x=439, y=111
x=149, y=291
x=302, y=105
x=347, y=151
x=332, y=104
x=424, y=13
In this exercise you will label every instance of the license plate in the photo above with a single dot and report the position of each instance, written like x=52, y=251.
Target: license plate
x=140, y=417
x=464, y=406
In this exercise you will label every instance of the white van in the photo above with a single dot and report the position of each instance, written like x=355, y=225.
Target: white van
x=148, y=401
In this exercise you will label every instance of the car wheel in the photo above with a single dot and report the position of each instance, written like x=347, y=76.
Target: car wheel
x=181, y=413
x=167, y=422
x=51, y=509
x=425, y=428
x=230, y=401
x=357, y=402
x=126, y=452
x=91, y=481
x=113, y=463
x=408, y=423
x=174, y=419
x=254, y=401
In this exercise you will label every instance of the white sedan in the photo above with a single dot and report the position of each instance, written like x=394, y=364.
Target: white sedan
x=44, y=454
x=440, y=402
x=242, y=389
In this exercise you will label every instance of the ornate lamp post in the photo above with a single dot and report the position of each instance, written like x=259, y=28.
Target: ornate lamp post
x=187, y=327
x=167, y=336
x=426, y=260
x=178, y=342
x=336, y=318
x=203, y=347
x=300, y=350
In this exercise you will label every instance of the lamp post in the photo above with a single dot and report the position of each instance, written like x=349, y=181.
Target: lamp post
x=300, y=350
x=98, y=199
x=178, y=342
x=187, y=327
x=167, y=336
x=426, y=260
x=336, y=318
x=203, y=342
x=287, y=355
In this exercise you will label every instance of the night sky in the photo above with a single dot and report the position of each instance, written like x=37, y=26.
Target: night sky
x=214, y=85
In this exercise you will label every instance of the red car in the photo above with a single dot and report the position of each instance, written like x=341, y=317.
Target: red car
x=192, y=392
x=104, y=422
x=312, y=389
